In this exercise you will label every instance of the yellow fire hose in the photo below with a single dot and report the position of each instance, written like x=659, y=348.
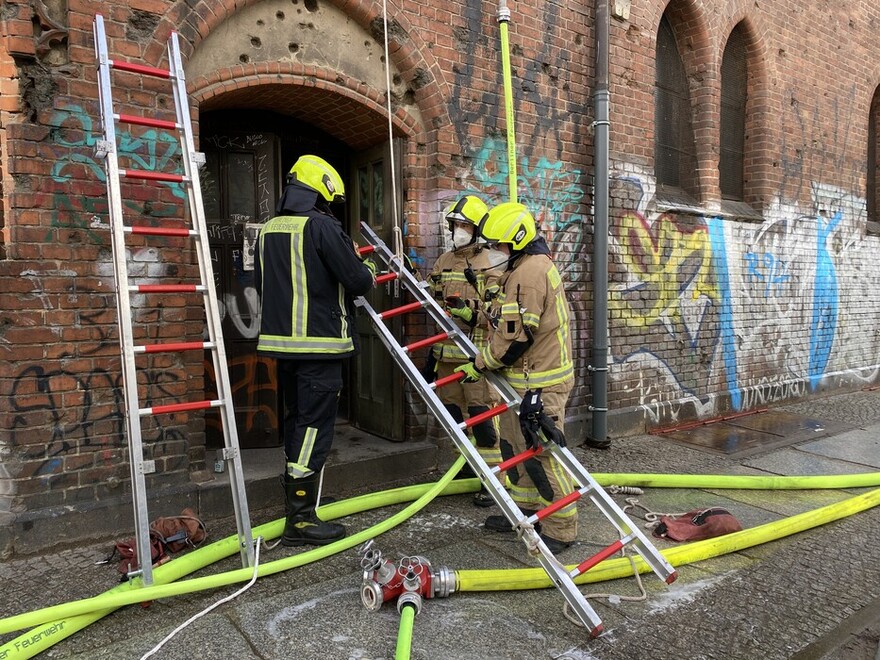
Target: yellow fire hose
x=60, y=621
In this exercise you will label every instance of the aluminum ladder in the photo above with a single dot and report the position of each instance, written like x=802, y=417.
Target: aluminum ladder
x=107, y=151
x=587, y=487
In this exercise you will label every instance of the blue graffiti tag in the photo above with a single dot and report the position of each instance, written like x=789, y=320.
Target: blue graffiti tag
x=728, y=339
x=825, y=299
x=767, y=269
x=152, y=150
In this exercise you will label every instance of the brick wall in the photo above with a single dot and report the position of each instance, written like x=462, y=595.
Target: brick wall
x=708, y=313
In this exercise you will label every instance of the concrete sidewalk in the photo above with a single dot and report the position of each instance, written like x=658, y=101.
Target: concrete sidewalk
x=812, y=595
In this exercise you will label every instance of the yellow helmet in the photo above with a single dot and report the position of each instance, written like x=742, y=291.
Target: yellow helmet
x=467, y=209
x=319, y=175
x=509, y=223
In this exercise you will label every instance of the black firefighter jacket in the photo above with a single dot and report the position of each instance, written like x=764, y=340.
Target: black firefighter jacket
x=306, y=271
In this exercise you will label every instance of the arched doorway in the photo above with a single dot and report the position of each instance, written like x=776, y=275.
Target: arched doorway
x=248, y=152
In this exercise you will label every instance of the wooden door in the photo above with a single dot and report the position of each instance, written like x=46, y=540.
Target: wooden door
x=376, y=381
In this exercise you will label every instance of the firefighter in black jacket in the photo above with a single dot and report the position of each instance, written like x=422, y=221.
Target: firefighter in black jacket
x=306, y=271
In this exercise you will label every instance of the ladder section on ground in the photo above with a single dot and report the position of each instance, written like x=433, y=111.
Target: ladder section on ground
x=193, y=233
x=586, y=486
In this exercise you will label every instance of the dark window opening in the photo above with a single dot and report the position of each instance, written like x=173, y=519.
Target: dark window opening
x=734, y=90
x=675, y=161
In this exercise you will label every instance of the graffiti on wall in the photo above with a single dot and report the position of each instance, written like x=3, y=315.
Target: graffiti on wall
x=750, y=312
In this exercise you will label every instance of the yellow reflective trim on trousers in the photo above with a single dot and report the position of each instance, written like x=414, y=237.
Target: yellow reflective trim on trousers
x=298, y=471
x=329, y=345
x=539, y=378
x=308, y=445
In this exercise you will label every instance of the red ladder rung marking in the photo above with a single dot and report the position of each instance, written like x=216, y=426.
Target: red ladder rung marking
x=152, y=176
x=173, y=347
x=146, y=121
x=600, y=556
x=430, y=341
x=140, y=68
x=446, y=380
x=516, y=460
x=366, y=249
x=559, y=504
x=386, y=277
x=180, y=407
x=166, y=288
x=160, y=231
x=483, y=416
x=403, y=309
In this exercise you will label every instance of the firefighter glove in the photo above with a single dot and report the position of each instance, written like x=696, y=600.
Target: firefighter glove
x=470, y=371
x=548, y=427
x=458, y=307
x=371, y=266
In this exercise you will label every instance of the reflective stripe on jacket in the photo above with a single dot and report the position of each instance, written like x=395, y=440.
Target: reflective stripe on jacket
x=532, y=301
x=306, y=273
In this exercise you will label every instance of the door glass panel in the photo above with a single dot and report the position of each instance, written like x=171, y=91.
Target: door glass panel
x=363, y=175
x=242, y=187
x=378, y=195
x=210, y=180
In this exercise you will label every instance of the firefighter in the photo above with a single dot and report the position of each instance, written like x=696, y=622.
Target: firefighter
x=530, y=345
x=458, y=283
x=307, y=271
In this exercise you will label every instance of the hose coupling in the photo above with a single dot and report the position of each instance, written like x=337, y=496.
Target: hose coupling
x=409, y=598
x=444, y=582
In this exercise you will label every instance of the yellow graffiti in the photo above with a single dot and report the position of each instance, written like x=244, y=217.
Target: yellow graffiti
x=665, y=260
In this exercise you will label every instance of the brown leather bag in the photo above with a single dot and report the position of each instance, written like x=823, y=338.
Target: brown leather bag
x=697, y=525
x=180, y=532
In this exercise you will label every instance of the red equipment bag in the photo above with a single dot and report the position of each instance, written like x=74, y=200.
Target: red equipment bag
x=697, y=525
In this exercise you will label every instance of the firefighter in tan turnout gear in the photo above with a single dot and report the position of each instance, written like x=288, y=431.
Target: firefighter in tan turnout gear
x=459, y=284
x=530, y=345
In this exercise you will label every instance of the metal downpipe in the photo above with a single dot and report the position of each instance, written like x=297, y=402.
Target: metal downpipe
x=598, y=437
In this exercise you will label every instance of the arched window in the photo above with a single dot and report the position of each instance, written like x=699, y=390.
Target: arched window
x=734, y=90
x=675, y=160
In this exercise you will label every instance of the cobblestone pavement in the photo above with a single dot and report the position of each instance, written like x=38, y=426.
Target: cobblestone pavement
x=815, y=594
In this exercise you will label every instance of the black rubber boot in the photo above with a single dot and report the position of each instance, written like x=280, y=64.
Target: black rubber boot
x=302, y=526
x=554, y=545
x=502, y=524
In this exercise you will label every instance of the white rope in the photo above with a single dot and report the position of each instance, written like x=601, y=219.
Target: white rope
x=398, y=234
x=183, y=625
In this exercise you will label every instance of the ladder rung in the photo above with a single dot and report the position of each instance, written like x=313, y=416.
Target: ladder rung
x=167, y=288
x=397, y=311
x=516, y=460
x=173, y=347
x=561, y=503
x=160, y=231
x=430, y=341
x=179, y=407
x=146, y=121
x=366, y=249
x=600, y=556
x=483, y=416
x=146, y=175
x=140, y=68
x=386, y=277
x=446, y=380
